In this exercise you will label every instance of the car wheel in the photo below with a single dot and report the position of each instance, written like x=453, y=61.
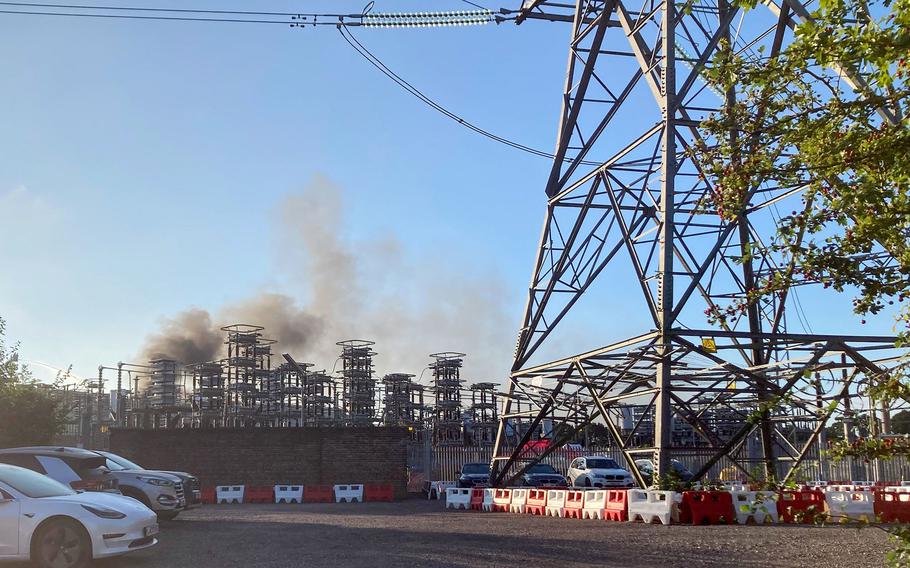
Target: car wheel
x=168, y=515
x=61, y=543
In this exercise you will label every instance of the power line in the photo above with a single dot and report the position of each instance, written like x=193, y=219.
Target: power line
x=376, y=62
x=148, y=9
x=161, y=18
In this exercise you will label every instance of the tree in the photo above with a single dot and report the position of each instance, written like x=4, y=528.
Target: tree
x=794, y=123
x=826, y=116
x=29, y=413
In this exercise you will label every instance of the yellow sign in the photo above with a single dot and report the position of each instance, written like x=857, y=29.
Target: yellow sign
x=708, y=344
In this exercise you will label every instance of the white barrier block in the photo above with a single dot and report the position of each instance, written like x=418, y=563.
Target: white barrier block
x=594, y=504
x=652, y=504
x=438, y=488
x=458, y=498
x=898, y=488
x=488, y=494
x=519, y=501
x=556, y=503
x=760, y=506
x=855, y=505
x=289, y=493
x=229, y=493
x=349, y=493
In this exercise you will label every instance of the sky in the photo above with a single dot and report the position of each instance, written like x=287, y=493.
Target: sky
x=144, y=167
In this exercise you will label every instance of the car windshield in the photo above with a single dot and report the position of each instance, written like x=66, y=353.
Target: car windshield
x=475, y=468
x=119, y=463
x=32, y=484
x=542, y=468
x=602, y=463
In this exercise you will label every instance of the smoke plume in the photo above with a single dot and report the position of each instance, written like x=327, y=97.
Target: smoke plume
x=351, y=289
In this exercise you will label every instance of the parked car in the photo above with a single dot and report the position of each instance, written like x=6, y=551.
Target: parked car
x=55, y=526
x=186, y=489
x=474, y=475
x=646, y=467
x=598, y=471
x=77, y=468
x=543, y=475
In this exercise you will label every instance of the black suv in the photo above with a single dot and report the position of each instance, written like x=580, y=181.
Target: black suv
x=474, y=475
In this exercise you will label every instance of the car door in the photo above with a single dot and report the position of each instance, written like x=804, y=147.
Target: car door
x=9, y=524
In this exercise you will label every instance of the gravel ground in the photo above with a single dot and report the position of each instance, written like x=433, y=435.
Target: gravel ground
x=421, y=533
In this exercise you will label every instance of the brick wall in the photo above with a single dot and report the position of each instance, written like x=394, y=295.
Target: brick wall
x=264, y=456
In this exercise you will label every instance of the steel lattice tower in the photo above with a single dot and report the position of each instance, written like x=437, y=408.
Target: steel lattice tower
x=625, y=198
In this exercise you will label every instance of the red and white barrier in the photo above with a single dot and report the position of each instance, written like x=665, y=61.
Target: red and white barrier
x=519, y=501
x=348, y=493
x=556, y=503
x=438, y=488
x=853, y=505
x=760, y=506
x=288, y=493
x=650, y=505
x=458, y=498
x=502, y=500
x=488, y=495
x=229, y=494
x=595, y=502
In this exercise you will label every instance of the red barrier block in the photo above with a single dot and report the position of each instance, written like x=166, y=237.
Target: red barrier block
x=477, y=499
x=707, y=508
x=318, y=494
x=378, y=492
x=208, y=495
x=617, y=508
x=793, y=503
x=537, y=502
x=259, y=494
x=892, y=507
x=574, y=504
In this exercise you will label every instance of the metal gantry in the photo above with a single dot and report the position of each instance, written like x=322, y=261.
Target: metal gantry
x=626, y=199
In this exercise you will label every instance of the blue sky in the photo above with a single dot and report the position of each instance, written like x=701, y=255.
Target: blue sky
x=141, y=163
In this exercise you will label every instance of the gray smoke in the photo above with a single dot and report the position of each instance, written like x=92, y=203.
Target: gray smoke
x=346, y=289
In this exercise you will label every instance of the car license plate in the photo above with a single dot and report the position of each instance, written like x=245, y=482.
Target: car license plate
x=150, y=531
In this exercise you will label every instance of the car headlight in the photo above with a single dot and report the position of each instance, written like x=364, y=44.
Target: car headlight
x=104, y=512
x=157, y=481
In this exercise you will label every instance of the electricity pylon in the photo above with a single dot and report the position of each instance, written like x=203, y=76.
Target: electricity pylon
x=624, y=197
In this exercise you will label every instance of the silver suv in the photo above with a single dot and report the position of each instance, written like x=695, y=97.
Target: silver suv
x=160, y=492
x=192, y=494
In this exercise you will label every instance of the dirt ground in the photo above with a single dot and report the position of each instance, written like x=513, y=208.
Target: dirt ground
x=422, y=533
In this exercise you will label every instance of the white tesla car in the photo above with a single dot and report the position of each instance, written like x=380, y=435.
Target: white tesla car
x=54, y=526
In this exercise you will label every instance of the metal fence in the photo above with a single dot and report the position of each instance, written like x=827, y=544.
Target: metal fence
x=444, y=463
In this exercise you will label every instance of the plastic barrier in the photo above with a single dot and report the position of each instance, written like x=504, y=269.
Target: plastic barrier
x=616, y=508
x=318, y=494
x=259, y=494
x=349, y=493
x=378, y=492
x=477, y=498
x=756, y=505
x=229, y=494
x=502, y=500
x=438, y=488
x=537, y=502
x=842, y=488
x=488, y=494
x=897, y=489
x=892, y=506
x=556, y=503
x=854, y=505
x=651, y=505
x=706, y=508
x=793, y=504
x=575, y=500
x=519, y=501
x=458, y=498
x=208, y=496
x=288, y=493
x=594, y=504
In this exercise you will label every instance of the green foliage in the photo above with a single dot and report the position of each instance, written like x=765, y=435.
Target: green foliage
x=795, y=124
x=869, y=449
x=29, y=414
